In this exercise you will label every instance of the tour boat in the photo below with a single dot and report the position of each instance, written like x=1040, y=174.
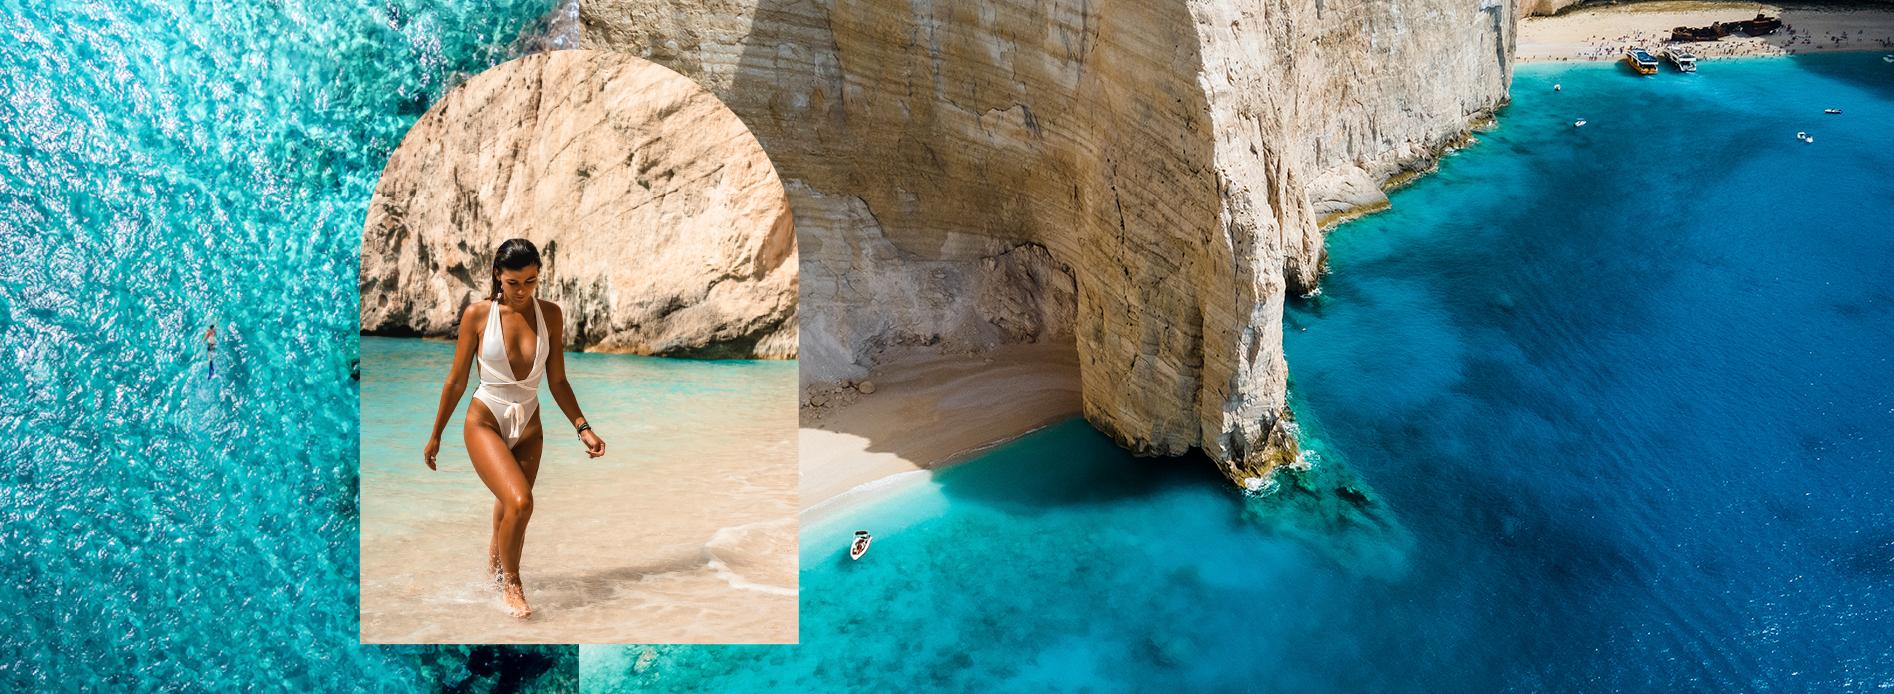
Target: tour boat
x=1681, y=58
x=1641, y=61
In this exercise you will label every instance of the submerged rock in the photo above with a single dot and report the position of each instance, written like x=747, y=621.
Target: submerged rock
x=1352, y=494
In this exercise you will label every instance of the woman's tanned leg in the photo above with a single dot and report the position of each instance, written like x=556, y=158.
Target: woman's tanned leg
x=502, y=474
x=526, y=454
x=493, y=543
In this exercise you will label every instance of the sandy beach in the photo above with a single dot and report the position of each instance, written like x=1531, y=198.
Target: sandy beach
x=927, y=411
x=1603, y=33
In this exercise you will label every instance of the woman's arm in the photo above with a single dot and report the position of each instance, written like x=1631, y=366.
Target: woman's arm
x=470, y=321
x=556, y=378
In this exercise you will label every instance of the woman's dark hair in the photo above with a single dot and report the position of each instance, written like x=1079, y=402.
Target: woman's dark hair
x=514, y=254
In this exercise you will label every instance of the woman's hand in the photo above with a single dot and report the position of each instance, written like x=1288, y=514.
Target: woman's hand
x=433, y=449
x=594, y=446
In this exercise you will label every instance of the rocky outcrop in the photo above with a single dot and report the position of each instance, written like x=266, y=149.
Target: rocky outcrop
x=662, y=223
x=556, y=30
x=1171, y=159
x=1544, y=8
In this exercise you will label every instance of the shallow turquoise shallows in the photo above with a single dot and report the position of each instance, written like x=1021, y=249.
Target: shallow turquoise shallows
x=684, y=529
x=164, y=165
x=1619, y=399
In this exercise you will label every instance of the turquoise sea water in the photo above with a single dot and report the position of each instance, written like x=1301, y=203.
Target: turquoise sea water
x=164, y=165
x=1620, y=397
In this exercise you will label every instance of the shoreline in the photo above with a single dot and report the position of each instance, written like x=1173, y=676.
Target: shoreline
x=856, y=447
x=1602, y=33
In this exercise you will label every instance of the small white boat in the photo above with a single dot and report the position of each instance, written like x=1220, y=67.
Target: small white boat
x=860, y=546
x=1556, y=87
x=1580, y=123
x=1799, y=135
x=1887, y=59
x=1810, y=139
x=1832, y=111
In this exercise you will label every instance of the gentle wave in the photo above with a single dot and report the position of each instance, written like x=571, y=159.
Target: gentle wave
x=754, y=547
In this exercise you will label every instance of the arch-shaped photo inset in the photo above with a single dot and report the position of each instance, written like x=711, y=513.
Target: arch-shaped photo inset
x=578, y=305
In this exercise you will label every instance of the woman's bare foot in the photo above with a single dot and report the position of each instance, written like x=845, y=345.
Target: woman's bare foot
x=516, y=601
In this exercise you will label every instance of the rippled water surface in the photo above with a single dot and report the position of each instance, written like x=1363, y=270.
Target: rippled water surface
x=163, y=166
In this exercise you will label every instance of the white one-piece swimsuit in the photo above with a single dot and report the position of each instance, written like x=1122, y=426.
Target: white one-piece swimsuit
x=511, y=401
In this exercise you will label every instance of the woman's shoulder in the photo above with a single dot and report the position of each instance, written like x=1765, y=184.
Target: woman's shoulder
x=554, y=313
x=476, y=311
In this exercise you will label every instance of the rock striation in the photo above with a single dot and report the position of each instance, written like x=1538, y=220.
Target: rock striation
x=663, y=225
x=1145, y=178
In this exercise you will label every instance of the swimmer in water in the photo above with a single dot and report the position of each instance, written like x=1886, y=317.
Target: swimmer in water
x=210, y=348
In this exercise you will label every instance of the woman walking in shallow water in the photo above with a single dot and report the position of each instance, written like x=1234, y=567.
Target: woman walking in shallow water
x=515, y=340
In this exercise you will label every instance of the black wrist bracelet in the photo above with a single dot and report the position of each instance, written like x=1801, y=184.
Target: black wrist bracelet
x=584, y=428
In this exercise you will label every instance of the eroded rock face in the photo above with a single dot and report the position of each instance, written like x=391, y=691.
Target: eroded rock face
x=1171, y=158
x=663, y=225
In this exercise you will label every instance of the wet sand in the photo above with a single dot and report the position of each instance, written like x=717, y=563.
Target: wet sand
x=1603, y=33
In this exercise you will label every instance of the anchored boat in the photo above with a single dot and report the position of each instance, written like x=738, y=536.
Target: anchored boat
x=1641, y=61
x=1683, y=60
x=860, y=546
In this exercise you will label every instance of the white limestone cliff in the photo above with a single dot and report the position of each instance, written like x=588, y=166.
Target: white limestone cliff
x=1145, y=178
x=663, y=226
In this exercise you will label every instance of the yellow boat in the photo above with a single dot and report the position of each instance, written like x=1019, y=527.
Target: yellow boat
x=1641, y=61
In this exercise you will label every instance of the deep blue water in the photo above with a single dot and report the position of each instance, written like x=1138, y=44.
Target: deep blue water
x=164, y=165
x=1620, y=397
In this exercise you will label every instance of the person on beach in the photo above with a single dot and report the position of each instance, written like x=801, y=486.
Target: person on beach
x=516, y=340
x=210, y=349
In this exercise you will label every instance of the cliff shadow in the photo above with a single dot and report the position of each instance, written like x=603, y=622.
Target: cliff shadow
x=1863, y=70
